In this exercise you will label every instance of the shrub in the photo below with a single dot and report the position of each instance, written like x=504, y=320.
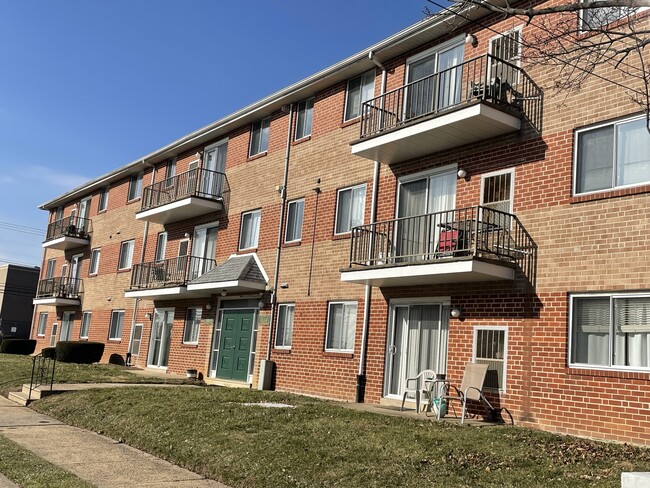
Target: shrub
x=17, y=346
x=49, y=352
x=79, y=352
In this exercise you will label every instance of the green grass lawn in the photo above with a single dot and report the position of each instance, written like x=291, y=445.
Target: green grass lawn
x=320, y=443
x=16, y=370
x=28, y=470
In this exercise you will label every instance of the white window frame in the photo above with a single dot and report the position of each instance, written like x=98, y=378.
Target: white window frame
x=42, y=324
x=511, y=171
x=112, y=333
x=497, y=328
x=519, y=29
x=50, y=269
x=95, y=255
x=102, y=204
x=130, y=244
x=170, y=172
x=576, y=144
x=586, y=28
x=307, y=113
x=253, y=245
x=281, y=341
x=329, y=325
x=86, y=317
x=363, y=210
x=612, y=332
x=297, y=237
x=161, y=246
x=370, y=73
x=135, y=186
x=264, y=126
x=194, y=328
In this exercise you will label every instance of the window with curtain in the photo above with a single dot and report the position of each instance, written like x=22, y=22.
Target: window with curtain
x=135, y=186
x=192, y=324
x=341, y=326
x=42, y=323
x=360, y=89
x=85, y=325
x=103, y=199
x=170, y=172
x=295, y=211
x=115, y=328
x=284, y=330
x=161, y=246
x=94, y=261
x=250, y=229
x=260, y=136
x=304, y=118
x=350, y=206
x=611, y=331
x=613, y=155
x=126, y=254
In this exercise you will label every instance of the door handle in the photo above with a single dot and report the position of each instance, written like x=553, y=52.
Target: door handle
x=392, y=349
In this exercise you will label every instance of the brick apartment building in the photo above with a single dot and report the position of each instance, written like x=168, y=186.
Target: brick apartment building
x=332, y=228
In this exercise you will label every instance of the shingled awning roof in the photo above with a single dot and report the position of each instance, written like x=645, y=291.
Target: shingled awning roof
x=238, y=274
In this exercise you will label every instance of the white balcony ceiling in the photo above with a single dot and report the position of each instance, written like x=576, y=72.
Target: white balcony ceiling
x=184, y=209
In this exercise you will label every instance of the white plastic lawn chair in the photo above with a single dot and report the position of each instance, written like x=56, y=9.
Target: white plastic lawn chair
x=417, y=386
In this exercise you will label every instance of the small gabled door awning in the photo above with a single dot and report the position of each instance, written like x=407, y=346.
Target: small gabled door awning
x=238, y=274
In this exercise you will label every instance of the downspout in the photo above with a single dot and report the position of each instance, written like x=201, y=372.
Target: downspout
x=263, y=385
x=142, y=252
x=361, y=374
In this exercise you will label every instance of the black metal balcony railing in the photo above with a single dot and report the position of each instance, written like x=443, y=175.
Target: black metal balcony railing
x=472, y=231
x=197, y=182
x=169, y=272
x=72, y=226
x=485, y=78
x=59, y=288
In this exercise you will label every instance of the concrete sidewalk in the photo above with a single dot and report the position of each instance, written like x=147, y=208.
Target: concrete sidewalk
x=92, y=457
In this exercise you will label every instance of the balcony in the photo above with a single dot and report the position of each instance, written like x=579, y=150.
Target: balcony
x=479, y=99
x=59, y=291
x=167, y=279
x=191, y=194
x=68, y=233
x=464, y=245
x=193, y=277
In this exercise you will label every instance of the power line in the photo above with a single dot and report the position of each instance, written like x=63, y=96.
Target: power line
x=22, y=228
x=19, y=263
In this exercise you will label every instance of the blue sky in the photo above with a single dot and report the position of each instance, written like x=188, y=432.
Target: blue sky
x=87, y=86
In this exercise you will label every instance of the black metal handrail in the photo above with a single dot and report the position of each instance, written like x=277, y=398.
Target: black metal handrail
x=485, y=78
x=169, y=272
x=197, y=182
x=472, y=231
x=42, y=373
x=60, y=287
x=72, y=226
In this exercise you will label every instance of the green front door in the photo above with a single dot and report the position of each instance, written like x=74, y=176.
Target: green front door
x=235, y=344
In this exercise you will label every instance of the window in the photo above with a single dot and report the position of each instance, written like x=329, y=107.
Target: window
x=594, y=18
x=115, y=329
x=192, y=323
x=260, y=136
x=303, y=122
x=135, y=186
x=59, y=213
x=85, y=325
x=341, y=326
x=284, y=330
x=506, y=52
x=161, y=246
x=250, y=229
x=136, y=341
x=490, y=347
x=612, y=155
x=42, y=323
x=360, y=89
x=94, y=261
x=170, y=172
x=497, y=194
x=103, y=199
x=126, y=255
x=350, y=205
x=610, y=331
x=294, y=221
x=49, y=272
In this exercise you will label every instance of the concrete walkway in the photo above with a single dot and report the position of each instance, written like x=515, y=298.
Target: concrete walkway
x=92, y=457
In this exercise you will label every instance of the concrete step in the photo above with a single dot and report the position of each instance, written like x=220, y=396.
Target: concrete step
x=18, y=397
x=38, y=392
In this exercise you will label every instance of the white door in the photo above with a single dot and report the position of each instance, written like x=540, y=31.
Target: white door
x=214, y=164
x=66, y=326
x=161, y=331
x=419, y=198
x=417, y=341
x=82, y=220
x=204, y=249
